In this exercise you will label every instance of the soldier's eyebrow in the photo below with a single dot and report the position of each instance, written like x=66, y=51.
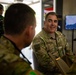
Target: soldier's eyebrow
x=52, y=20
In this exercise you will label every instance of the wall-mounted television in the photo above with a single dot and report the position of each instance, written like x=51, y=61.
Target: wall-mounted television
x=70, y=22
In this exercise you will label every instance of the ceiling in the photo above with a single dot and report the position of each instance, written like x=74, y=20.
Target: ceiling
x=46, y=3
x=15, y=1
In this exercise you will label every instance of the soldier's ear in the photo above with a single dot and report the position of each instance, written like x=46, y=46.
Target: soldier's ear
x=28, y=31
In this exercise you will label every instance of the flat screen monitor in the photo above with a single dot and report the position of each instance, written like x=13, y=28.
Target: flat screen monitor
x=70, y=22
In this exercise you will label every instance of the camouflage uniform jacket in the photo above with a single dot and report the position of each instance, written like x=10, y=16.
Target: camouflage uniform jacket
x=44, y=43
x=10, y=62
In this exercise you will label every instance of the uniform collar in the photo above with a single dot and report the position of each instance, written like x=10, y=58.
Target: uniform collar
x=51, y=36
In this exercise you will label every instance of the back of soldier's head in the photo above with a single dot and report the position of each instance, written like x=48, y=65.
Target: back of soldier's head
x=1, y=9
x=17, y=17
x=1, y=6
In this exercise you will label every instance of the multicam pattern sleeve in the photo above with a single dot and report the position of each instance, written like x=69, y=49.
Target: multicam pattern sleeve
x=63, y=42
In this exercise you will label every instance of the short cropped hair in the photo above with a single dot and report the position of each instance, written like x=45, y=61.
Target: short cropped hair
x=1, y=7
x=17, y=17
x=50, y=13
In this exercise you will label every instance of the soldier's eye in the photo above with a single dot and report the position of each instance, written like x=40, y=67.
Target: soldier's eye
x=49, y=20
x=55, y=21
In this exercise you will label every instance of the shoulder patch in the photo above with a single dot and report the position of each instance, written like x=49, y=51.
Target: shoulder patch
x=33, y=72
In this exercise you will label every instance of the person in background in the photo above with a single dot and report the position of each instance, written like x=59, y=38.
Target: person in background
x=50, y=41
x=19, y=30
x=1, y=20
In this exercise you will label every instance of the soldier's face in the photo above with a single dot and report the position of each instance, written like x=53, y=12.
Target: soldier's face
x=51, y=23
x=30, y=34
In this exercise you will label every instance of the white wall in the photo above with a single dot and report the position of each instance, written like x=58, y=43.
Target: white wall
x=37, y=8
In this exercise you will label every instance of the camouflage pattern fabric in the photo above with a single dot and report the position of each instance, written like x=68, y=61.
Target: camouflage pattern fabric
x=44, y=43
x=10, y=62
x=72, y=70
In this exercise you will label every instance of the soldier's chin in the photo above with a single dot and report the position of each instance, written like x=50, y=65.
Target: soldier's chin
x=52, y=31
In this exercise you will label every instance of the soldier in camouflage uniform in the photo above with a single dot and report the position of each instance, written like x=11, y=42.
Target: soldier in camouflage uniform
x=49, y=40
x=17, y=35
